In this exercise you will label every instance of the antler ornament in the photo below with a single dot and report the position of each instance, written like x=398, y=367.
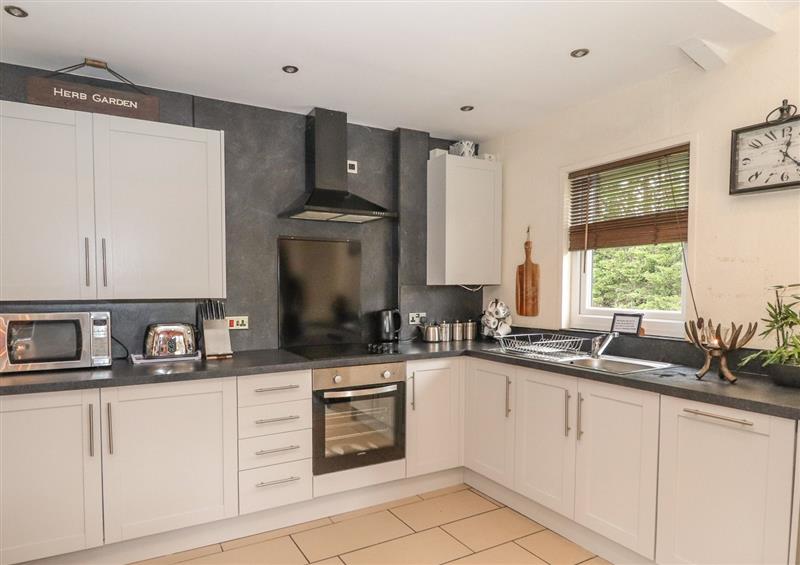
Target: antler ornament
x=716, y=343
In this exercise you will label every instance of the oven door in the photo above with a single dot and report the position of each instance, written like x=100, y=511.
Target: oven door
x=36, y=342
x=358, y=426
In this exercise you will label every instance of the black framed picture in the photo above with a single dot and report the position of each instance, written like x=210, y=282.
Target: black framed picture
x=765, y=157
x=625, y=323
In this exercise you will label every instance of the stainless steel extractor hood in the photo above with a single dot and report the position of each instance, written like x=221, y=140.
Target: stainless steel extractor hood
x=327, y=198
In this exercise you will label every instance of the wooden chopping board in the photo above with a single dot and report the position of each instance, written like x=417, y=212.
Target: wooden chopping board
x=528, y=285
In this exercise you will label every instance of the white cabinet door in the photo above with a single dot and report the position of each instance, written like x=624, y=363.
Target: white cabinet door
x=160, y=210
x=545, y=438
x=725, y=485
x=433, y=415
x=50, y=474
x=489, y=420
x=169, y=456
x=464, y=220
x=617, y=464
x=46, y=204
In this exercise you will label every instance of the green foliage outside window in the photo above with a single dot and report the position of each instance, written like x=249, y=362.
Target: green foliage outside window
x=642, y=277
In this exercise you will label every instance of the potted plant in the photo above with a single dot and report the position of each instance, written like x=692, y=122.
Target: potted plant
x=782, y=321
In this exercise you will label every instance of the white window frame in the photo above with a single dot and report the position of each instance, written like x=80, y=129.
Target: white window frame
x=584, y=316
x=655, y=322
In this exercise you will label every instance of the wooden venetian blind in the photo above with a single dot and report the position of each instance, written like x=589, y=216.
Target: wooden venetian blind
x=637, y=201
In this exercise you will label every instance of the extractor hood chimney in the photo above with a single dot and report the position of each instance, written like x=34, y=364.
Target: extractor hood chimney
x=327, y=198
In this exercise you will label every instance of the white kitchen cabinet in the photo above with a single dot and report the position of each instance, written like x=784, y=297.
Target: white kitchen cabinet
x=46, y=204
x=464, y=220
x=489, y=420
x=725, y=485
x=434, y=419
x=50, y=474
x=545, y=438
x=160, y=207
x=169, y=456
x=616, y=465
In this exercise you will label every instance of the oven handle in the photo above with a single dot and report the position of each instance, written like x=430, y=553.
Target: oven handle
x=360, y=392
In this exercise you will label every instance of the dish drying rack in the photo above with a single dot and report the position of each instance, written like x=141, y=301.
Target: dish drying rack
x=550, y=347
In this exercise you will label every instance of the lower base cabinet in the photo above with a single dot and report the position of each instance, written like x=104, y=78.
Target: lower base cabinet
x=434, y=418
x=275, y=485
x=50, y=474
x=725, y=485
x=169, y=456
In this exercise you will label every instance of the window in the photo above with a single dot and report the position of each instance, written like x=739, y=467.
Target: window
x=628, y=224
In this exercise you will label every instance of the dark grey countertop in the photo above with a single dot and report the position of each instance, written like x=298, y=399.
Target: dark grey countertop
x=751, y=392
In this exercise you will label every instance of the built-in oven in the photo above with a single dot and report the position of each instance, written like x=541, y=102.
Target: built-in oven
x=54, y=340
x=358, y=416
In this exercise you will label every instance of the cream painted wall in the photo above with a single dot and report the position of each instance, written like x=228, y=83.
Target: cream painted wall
x=738, y=246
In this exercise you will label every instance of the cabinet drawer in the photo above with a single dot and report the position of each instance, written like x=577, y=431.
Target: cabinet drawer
x=274, y=418
x=277, y=485
x=273, y=449
x=275, y=387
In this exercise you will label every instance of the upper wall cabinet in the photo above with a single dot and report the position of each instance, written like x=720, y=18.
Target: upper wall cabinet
x=464, y=220
x=46, y=204
x=97, y=206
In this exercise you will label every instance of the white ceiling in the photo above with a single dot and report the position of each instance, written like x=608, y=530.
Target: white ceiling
x=407, y=64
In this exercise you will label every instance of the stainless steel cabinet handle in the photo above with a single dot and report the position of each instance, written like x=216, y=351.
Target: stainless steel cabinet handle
x=110, y=430
x=566, y=412
x=105, y=270
x=360, y=392
x=86, y=255
x=273, y=420
x=580, y=411
x=277, y=450
x=508, y=397
x=276, y=388
x=718, y=417
x=413, y=380
x=91, y=430
x=278, y=482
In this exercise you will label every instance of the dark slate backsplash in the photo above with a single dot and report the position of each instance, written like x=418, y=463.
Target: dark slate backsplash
x=264, y=172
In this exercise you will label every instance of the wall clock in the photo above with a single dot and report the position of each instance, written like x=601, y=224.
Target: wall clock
x=766, y=156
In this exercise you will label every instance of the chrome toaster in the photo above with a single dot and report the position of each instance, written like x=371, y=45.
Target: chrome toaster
x=170, y=340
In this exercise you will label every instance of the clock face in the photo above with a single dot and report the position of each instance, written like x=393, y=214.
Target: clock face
x=766, y=157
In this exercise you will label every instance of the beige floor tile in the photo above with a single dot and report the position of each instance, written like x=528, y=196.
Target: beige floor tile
x=554, y=549
x=597, y=561
x=349, y=535
x=331, y=561
x=280, y=551
x=376, y=508
x=266, y=536
x=181, y=556
x=506, y=554
x=442, y=509
x=487, y=497
x=492, y=528
x=443, y=491
x=430, y=547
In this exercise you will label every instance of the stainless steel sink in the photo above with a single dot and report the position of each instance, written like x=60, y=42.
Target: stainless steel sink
x=616, y=365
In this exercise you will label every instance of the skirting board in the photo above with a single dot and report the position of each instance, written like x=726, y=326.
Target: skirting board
x=249, y=524
x=562, y=525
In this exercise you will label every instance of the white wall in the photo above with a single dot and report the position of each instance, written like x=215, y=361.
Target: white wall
x=738, y=246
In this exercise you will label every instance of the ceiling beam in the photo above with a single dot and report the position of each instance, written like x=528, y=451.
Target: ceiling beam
x=761, y=14
x=705, y=54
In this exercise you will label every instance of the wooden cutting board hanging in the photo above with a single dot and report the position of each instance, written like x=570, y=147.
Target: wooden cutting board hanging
x=528, y=283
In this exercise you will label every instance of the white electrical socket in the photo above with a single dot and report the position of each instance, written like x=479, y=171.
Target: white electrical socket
x=415, y=318
x=238, y=322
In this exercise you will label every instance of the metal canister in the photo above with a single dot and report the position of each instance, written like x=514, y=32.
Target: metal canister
x=458, y=331
x=470, y=330
x=445, y=329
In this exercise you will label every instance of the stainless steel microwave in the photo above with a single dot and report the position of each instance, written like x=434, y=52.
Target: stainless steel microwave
x=54, y=340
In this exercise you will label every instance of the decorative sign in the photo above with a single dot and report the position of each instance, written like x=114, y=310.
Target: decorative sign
x=626, y=323
x=87, y=98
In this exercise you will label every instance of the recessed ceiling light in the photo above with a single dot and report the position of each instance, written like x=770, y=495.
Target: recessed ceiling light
x=467, y=108
x=15, y=11
x=290, y=69
x=578, y=53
